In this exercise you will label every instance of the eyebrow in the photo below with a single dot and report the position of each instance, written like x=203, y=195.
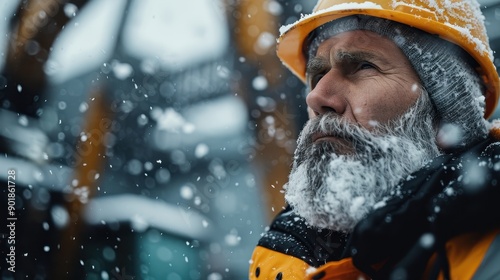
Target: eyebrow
x=353, y=57
x=318, y=64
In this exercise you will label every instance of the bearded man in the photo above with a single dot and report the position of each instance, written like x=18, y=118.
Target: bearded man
x=395, y=174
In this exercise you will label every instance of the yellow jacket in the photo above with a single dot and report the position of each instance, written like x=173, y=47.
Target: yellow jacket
x=466, y=229
x=471, y=256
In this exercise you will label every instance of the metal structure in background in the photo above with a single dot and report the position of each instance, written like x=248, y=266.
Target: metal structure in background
x=142, y=167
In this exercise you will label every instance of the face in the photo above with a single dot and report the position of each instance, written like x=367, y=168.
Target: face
x=361, y=76
x=371, y=125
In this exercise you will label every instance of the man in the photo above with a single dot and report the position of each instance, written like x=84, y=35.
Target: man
x=397, y=173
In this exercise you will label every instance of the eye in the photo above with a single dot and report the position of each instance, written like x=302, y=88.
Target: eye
x=366, y=65
x=315, y=80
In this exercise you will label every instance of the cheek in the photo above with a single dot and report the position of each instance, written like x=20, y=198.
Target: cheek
x=382, y=107
x=397, y=106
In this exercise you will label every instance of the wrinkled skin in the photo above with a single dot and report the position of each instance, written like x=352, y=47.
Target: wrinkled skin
x=361, y=76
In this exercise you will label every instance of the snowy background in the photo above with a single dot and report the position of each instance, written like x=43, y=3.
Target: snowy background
x=182, y=171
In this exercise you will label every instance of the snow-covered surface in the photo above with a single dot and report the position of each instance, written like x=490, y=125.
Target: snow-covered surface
x=143, y=213
x=177, y=33
x=51, y=177
x=87, y=40
x=221, y=118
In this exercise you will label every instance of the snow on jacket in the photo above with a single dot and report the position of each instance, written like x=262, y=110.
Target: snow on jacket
x=445, y=224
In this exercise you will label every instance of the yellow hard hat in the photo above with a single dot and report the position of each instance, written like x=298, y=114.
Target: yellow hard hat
x=458, y=21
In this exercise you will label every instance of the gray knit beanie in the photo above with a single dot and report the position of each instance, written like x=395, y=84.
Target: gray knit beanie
x=445, y=70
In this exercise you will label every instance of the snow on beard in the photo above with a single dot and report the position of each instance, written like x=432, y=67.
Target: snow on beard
x=335, y=184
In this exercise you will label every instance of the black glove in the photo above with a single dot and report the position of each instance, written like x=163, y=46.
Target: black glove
x=454, y=194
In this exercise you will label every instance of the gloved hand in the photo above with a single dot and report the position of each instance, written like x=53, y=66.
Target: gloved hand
x=454, y=194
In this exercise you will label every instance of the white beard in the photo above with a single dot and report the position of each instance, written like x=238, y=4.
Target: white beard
x=335, y=191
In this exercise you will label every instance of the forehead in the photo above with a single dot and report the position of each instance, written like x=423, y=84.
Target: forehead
x=360, y=40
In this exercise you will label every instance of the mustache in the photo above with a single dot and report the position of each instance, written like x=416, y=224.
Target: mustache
x=333, y=125
x=348, y=139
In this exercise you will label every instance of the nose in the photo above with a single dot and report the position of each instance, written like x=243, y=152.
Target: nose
x=327, y=96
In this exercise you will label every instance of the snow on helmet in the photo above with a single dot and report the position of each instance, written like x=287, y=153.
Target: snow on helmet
x=458, y=21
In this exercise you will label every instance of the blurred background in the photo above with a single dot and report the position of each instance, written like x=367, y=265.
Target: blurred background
x=150, y=139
